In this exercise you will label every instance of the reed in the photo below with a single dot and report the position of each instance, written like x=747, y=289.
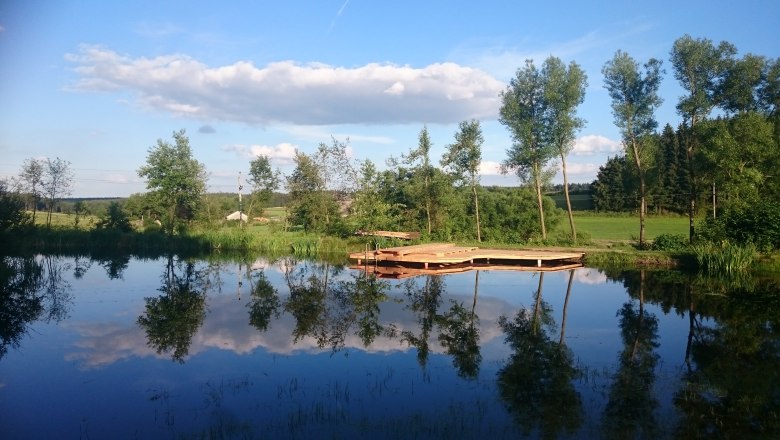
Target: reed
x=724, y=258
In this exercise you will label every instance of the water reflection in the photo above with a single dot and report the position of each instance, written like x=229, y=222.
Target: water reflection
x=31, y=289
x=580, y=353
x=537, y=382
x=171, y=319
x=631, y=401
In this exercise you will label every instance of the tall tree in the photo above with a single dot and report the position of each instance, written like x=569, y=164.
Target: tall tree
x=564, y=91
x=264, y=180
x=176, y=179
x=57, y=182
x=523, y=112
x=699, y=66
x=31, y=179
x=310, y=204
x=463, y=158
x=634, y=100
x=420, y=158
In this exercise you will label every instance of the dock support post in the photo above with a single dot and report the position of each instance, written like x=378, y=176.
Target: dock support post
x=538, y=263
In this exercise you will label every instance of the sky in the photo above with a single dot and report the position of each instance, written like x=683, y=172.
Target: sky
x=98, y=83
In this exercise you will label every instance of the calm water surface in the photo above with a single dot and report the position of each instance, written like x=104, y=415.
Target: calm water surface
x=166, y=348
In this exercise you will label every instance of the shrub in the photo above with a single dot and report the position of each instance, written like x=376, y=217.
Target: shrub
x=670, y=242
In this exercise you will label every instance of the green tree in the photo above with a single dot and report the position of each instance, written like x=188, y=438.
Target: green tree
x=12, y=214
x=699, y=67
x=177, y=181
x=57, y=183
x=524, y=112
x=420, y=159
x=564, y=91
x=614, y=187
x=634, y=100
x=463, y=158
x=31, y=179
x=370, y=211
x=264, y=181
x=115, y=219
x=310, y=206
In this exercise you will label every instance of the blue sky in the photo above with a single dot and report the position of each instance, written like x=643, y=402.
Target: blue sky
x=97, y=83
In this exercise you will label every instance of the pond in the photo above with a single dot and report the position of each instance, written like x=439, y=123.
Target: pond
x=128, y=347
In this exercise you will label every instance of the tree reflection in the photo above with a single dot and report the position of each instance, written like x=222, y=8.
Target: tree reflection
x=30, y=289
x=173, y=318
x=732, y=386
x=365, y=292
x=425, y=303
x=631, y=404
x=264, y=302
x=459, y=335
x=536, y=384
x=306, y=302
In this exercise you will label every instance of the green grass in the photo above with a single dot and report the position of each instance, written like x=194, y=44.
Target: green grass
x=623, y=227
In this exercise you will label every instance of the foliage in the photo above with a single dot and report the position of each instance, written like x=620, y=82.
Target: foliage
x=115, y=218
x=264, y=181
x=31, y=181
x=12, y=213
x=670, y=242
x=724, y=258
x=634, y=100
x=176, y=180
x=523, y=111
x=463, y=159
x=311, y=205
x=57, y=182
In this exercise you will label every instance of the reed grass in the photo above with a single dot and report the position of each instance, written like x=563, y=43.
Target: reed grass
x=724, y=258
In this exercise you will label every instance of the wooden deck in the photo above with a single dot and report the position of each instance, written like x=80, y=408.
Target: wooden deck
x=445, y=254
x=391, y=234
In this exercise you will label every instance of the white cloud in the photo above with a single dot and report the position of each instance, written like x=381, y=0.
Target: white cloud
x=282, y=153
x=489, y=168
x=286, y=91
x=594, y=143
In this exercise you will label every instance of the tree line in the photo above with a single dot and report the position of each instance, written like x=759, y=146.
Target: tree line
x=723, y=155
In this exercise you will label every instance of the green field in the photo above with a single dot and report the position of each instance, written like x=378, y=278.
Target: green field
x=621, y=228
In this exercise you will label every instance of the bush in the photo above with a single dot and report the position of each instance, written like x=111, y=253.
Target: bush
x=115, y=219
x=670, y=242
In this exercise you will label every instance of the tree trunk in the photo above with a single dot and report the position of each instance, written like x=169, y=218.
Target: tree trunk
x=642, y=209
x=568, y=201
x=642, y=206
x=427, y=204
x=476, y=212
x=539, y=203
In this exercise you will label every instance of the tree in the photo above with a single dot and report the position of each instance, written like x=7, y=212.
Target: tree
x=614, y=185
x=12, y=214
x=264, y=181
x=423, y=172
x=564, y=91
x=634, y=100
x=57, y=182
x=463, y=158
x=115, y=219
x=370, y=211
x=310, y=204
x=523, y=112
x=176, y=179
x=31, y=178
x=698, y=66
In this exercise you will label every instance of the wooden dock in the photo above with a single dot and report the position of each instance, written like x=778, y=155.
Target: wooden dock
x=440, y=256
